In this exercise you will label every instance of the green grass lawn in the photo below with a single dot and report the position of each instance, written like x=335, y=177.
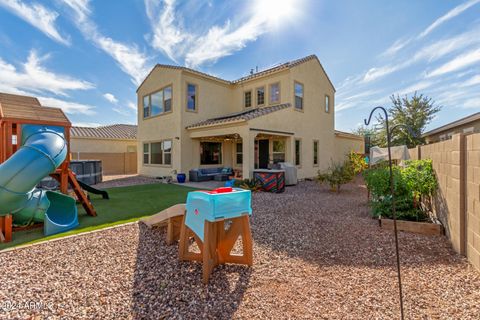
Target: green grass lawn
x=126, y=204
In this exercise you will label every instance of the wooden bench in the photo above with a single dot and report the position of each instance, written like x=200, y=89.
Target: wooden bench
x=171, y=218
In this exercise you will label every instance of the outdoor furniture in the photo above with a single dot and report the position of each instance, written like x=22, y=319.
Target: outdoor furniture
x=270, y=180
x=207, y=174
x=208, y=213
x=221, y=177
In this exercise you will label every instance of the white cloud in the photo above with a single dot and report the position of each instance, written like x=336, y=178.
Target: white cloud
x=200, y=47
x=223, y=41
x=375, y=73
x=395, y=47
x=121, y=111
x=471, y=82
x=458, y=63
x=33, y=76
x=86, y=124
x=111, y=98
x=421, y=85
x=166, y=34
x=128, y=57
x=38, y=16
x=132, y=105
x=68, y=106
x=472, y=103
x=448, y=16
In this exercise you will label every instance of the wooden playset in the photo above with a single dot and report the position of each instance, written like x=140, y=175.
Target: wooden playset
x=16, y=111
x=214, y=221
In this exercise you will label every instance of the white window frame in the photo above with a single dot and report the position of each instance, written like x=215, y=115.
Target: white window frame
x=163, y=102
x=295, y=83
x=270, y=96
x=264, y=96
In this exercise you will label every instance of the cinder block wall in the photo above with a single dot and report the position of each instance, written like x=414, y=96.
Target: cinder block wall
x=112, y=163
x=457, y=203
x=447, y=202
x=473, y=198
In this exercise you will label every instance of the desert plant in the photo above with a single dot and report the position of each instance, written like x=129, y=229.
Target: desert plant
x=248, y=184
x=337, y=175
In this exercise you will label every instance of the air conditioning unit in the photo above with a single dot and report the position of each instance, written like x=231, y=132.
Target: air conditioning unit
x=290, y=173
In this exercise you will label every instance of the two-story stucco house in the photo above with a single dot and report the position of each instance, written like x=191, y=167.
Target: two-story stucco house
x=188, y=119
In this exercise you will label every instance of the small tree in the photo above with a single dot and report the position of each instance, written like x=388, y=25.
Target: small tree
x=415, y=113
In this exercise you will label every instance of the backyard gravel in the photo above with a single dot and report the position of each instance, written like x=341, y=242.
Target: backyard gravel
x=317, y=255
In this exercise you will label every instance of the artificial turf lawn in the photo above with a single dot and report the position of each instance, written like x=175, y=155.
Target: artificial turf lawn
x=126, y=204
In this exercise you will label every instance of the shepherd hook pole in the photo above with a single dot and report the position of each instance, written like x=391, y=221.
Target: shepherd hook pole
x=394, y=213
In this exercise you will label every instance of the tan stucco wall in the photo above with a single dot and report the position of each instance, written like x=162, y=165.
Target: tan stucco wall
x=217, y=98
x=436, y=137
x=345, y=145
x=92, y=145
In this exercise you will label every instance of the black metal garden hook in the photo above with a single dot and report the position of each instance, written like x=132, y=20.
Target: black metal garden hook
x=394, y=213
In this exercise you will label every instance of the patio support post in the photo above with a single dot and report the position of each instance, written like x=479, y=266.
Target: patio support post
x=248, y=150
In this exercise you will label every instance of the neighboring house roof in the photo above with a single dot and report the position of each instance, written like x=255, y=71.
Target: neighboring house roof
x=239, y=116
x=451, y=125
x=283, y=66
x=348, y=135
x=27, y=108
x=115, y=131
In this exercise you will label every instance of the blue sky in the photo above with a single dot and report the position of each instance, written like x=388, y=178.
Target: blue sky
x=89, y=56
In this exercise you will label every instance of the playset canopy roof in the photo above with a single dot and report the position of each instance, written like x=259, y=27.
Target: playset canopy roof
x=25, y=109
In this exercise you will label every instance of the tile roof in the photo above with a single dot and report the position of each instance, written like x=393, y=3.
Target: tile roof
x=27, y=108
x=239, y=116
x=348, y=135
x=114, y=131
x=456, y=123
x=286, y=65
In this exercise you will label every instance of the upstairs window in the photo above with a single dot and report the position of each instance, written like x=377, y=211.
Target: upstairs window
x=298, y=95
x=157, y=102
x=247, y=100
x=327, y=103
x=167, y=98
x=191, y=97
x=275, y=93
x=260, y=96
x=146, y=106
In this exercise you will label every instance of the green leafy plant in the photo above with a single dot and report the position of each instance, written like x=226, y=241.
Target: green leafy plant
x=248, y=184
x=337, y=175
x=412, y=183
x=357, y=162
x=420, y=179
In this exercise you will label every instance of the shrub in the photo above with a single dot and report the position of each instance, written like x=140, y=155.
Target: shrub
x=357, y=161
x=411, y=183
x=248, y=184
x=336, y=175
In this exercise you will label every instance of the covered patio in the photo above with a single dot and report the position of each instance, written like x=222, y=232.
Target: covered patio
x=242, y=148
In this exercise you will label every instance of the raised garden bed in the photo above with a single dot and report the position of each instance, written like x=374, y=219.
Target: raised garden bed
x=425, y=228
